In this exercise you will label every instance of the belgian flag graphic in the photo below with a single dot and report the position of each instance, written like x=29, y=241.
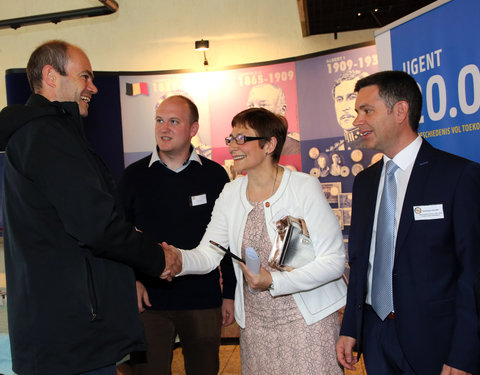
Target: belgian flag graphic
x=138, y=88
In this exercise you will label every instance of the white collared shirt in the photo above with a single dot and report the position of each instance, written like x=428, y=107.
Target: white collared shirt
x=193, y=157
x=405, y=160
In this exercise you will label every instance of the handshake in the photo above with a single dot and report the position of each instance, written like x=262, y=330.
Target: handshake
x=173, y=261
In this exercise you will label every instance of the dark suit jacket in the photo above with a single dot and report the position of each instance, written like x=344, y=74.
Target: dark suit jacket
x=477, y=297
x=436, y=262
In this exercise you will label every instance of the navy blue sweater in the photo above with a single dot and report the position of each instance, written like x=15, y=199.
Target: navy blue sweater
x=158, y=202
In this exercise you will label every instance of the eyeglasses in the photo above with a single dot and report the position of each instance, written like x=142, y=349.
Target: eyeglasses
x=240, y=139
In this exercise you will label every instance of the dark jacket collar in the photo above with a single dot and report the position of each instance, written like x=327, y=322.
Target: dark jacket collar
x=14, y=117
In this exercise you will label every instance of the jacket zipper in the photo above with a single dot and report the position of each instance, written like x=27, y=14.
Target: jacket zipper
x=91, y=291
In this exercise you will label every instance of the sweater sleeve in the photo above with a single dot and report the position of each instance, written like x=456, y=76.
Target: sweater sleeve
x=226, y=265
x=228, y=277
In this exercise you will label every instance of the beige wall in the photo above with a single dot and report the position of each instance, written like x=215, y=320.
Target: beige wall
x=159, y=34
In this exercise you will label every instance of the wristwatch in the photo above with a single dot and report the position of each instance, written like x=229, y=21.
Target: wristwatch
x=271, y=286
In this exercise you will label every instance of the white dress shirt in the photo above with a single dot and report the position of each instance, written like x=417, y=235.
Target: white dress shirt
x=193, y=157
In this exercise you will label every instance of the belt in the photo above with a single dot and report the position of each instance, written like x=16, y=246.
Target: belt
x=389, y=316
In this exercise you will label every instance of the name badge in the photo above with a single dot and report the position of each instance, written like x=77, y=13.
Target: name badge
x=198, y=200
x=430, y=212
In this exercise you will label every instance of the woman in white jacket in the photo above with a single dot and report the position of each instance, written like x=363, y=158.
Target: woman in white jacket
x=291, y=323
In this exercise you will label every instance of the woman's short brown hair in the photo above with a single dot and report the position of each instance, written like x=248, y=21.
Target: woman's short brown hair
x=266, y=124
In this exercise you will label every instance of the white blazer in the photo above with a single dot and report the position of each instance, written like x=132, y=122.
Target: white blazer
x=317, y=287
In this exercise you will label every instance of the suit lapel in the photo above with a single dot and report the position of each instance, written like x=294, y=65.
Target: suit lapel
x=371, y=198
x=367, y=203
x=415, y=190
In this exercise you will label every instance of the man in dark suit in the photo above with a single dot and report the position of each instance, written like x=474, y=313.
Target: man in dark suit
x=423, y=319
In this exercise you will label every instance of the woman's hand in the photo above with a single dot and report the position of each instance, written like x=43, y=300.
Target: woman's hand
x=257, y=282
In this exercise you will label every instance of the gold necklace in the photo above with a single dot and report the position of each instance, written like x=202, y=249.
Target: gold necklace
x=267, y=204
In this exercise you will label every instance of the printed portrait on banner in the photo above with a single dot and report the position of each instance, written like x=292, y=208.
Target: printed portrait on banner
x=269, y=86
x=331, y=147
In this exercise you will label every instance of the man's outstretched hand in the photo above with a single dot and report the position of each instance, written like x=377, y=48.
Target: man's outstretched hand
x=173, y=262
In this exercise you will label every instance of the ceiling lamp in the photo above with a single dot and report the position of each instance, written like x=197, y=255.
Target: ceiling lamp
x=202, y=45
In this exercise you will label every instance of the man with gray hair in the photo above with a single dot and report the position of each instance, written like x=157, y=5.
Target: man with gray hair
x=68, y=247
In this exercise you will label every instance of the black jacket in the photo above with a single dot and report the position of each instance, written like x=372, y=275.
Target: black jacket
x=68, y=249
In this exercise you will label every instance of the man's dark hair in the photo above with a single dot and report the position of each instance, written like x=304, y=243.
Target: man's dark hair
x=394, y=86
x=54, y=53
x=266, y=124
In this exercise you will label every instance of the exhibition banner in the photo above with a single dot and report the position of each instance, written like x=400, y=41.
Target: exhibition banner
x=331, y=146
x=439, y=49
x=219, y=96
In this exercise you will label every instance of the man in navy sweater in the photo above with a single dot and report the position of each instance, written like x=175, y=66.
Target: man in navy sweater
x=169, y=195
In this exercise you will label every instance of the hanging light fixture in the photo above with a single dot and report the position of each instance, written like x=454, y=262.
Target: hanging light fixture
x=202, y=45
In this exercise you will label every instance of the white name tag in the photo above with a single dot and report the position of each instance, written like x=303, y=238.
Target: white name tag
x=198, y=200
x=430, y=212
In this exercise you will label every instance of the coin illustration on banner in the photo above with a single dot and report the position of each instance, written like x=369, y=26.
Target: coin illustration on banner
x=357, y=168
x=344, y=171
x=356, y=155
x=315, y=172
x=313, y=153
x=376, y=157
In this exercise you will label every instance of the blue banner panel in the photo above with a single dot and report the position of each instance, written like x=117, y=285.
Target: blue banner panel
x=440, y=50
